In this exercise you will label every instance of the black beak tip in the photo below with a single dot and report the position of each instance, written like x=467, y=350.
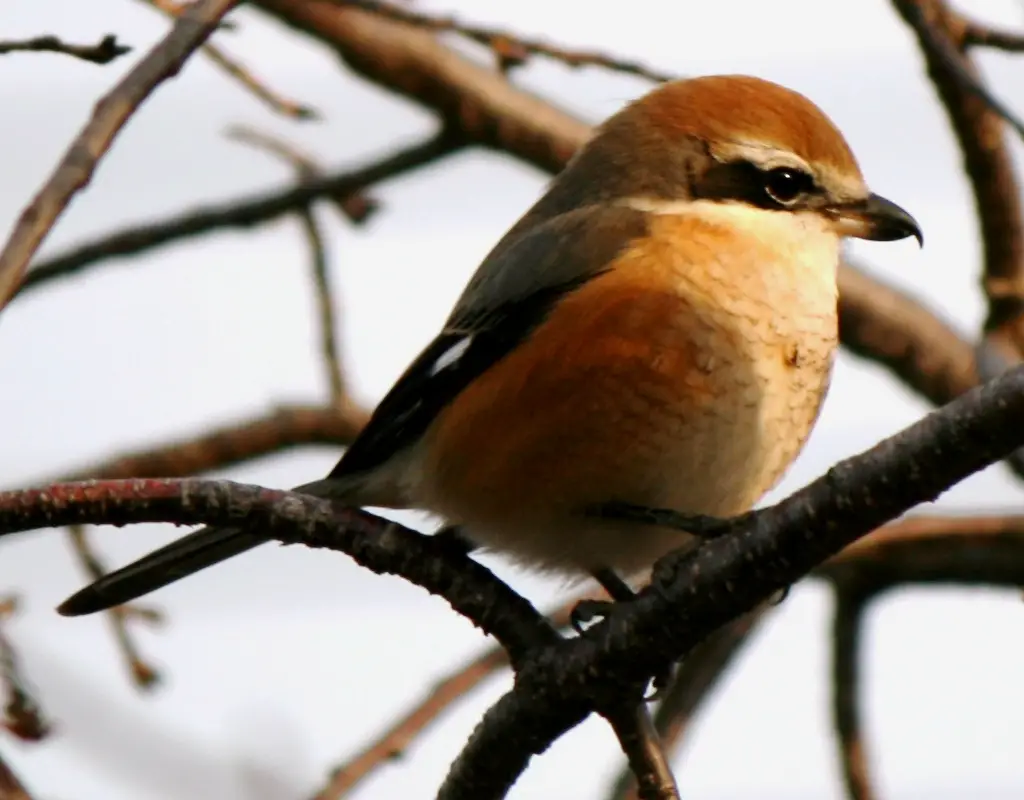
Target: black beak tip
x=890, y=221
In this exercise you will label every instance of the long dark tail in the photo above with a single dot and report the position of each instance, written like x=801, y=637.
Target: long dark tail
x=179, y=559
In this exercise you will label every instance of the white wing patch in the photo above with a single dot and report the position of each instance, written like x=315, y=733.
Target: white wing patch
x=451, y=356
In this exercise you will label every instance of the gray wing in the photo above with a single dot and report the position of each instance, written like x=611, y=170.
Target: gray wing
x=510, y=294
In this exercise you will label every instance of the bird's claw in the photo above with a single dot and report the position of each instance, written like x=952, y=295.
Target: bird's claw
x=702, y=525
x=659, y=684
x=587, y=611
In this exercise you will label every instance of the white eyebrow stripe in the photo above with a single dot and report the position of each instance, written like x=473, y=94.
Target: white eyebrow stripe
x=450, y=356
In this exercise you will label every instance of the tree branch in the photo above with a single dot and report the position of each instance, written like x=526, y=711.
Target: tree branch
x=847, y=623
x=242, y=212
x=693, y=594
x=511, y=50
x=975, y=117
x=219, y=448
x=105, y=51
x=642, y=746
x=111, y=113
x=243, y=76
x=375, y=543
x=10, y=787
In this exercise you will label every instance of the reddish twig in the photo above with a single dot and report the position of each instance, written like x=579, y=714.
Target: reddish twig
x=242, y=212
x=254, y=85
x=510, y=50
x=380, y=545
x=105, y=51
x=111, y=113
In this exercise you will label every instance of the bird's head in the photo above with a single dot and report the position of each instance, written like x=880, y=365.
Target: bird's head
x=732, y=139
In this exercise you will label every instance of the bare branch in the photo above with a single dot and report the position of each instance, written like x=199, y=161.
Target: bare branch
x=394, y=741
x=10, y=787
x=307, y=170
x=642, y=746
x=695, y=679
x=111, y=113
x=847, y=624
x=380, y=545
x=142, y=673
x=511, y=50
x=22, y=716
x=399, y=736
x=976, y=120
x=729, y=575
x=242, y=212
x=105, y=51
x=250, y=82
x=281, y=429
x=880, y=323
x=976, y=34
x=356, y=207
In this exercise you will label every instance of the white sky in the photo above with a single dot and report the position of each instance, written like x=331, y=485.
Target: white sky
x=281, y=663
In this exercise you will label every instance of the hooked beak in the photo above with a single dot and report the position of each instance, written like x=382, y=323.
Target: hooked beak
x=877, y=219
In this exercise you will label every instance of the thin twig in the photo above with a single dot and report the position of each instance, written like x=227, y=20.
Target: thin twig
x=913, y=342
x=307, y=170
x=851, y=601
x=991, y=360
x=393, y=742
x=325, y=308
x=975, y=34
x=241, y=212
x=105, y=51
x=142, y=673
x=10, y=787
x=977, y=120
x=111, y=113
x=510, y=50
x=254, y=85
x=396, y=739
x=356, y=207
x=642, y=746
x=22, y=715
x=696, y=677
x=222, y=447
x=380, y=545
x=950, y=54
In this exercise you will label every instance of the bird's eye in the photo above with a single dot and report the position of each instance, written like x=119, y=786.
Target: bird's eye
x=785, y=185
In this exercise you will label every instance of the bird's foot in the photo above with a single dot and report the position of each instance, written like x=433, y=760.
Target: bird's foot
x=702, y=525
x=587, y=612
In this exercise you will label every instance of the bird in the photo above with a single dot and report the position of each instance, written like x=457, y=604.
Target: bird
x=657, y=331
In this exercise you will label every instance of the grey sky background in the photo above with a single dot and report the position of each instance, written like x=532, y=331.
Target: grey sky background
x=281, y=663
